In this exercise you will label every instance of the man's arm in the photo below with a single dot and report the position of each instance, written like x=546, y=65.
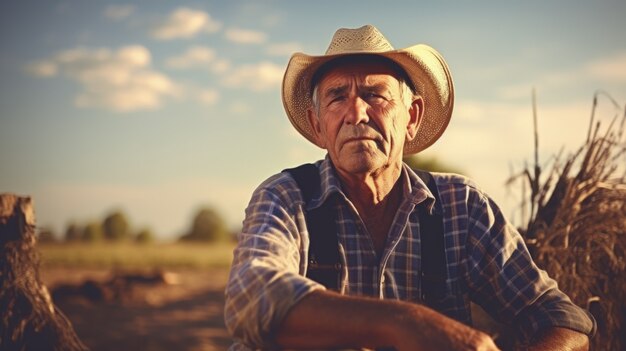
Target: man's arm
x=505, y=281
x=560, y=339
x=325, y=319
x=266, y=274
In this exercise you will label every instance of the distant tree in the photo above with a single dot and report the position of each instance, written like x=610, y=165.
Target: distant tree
x=207, y=226
x=232, y=236
x=46, y=235
x=93, y=232
x=144, y=236
x=116, y=227
x=73, y=232
x=430, y=163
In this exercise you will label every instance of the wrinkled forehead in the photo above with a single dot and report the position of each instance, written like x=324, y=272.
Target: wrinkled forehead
x=361, y=65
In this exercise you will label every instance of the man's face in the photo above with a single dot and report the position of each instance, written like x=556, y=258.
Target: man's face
x=363, y=121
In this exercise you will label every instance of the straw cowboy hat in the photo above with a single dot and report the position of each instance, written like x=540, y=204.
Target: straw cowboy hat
x=424, y=66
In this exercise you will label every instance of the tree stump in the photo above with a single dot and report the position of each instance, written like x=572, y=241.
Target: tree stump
x=28, y=318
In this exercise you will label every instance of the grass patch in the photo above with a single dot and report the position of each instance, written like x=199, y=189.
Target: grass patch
x=133, y=256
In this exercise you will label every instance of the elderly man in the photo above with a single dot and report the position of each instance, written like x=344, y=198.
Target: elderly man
x=360, y=251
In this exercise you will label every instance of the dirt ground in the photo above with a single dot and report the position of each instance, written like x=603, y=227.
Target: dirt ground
x=152, y=317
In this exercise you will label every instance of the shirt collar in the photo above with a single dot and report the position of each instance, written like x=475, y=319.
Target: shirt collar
x=417, y=192
x=329, y=183
x=414, y=189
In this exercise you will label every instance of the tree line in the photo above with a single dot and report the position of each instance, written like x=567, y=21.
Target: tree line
x=207, y=226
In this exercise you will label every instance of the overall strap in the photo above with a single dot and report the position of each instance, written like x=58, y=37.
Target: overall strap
x=324, y=261
x=324, y=264
x=432, y=247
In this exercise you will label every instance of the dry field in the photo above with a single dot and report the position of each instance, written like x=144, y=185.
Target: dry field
x=185, y=314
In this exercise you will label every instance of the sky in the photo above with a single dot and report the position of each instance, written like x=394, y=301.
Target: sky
x=159, y=108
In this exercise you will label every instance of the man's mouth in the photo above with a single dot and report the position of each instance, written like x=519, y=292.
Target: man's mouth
x=361, y=138
x=358, y=139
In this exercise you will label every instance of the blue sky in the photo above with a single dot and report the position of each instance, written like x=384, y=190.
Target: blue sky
x=158, y=108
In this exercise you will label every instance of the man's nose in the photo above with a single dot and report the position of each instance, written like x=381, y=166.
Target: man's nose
x=357, y=111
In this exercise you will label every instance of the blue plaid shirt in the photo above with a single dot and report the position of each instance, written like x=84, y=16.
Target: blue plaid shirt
x=486, y=259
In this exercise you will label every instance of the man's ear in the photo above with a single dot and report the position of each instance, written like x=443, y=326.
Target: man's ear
x=315, y=124
x=416, y=112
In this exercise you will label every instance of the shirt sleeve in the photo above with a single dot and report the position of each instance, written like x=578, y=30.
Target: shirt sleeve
x=266, y=277
x=505, y=281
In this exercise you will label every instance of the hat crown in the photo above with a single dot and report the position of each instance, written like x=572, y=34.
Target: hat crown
x=363, y=39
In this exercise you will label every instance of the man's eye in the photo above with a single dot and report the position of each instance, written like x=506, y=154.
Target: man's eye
x=337, y=99
x=374, y=97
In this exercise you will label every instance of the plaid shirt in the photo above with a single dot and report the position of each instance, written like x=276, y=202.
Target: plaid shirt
x=486, y=259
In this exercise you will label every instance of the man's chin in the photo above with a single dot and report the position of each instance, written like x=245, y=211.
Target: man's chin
x=359, y=164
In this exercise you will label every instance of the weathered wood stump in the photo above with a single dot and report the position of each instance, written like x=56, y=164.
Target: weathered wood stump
x=28, y=318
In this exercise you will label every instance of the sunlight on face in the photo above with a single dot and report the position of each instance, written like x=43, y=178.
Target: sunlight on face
x=362, y=120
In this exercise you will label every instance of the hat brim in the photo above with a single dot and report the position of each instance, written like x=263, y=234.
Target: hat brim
x=424, y=66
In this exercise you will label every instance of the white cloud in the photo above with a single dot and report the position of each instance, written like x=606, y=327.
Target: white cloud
x=119, y=80
x=220, y=66
x=283, y=49
x=134, y=55
x=609, y=68
x=42, y=68
x=548, y=82
x=185, y=23
x=194, y=57
x=516, y=91
x=141, y=90
x=208, y=96
x=245, y=36
x=505, y=130
x=239, y=108
x=199, y=57
x=606, y=70
x=469, y=111
x=262, y=76
x=118, y=12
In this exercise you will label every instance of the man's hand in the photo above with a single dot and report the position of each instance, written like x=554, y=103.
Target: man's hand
x=438, y=332
x=325, y=319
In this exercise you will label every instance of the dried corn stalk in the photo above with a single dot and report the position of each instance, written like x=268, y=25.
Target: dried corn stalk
x=576, y=229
